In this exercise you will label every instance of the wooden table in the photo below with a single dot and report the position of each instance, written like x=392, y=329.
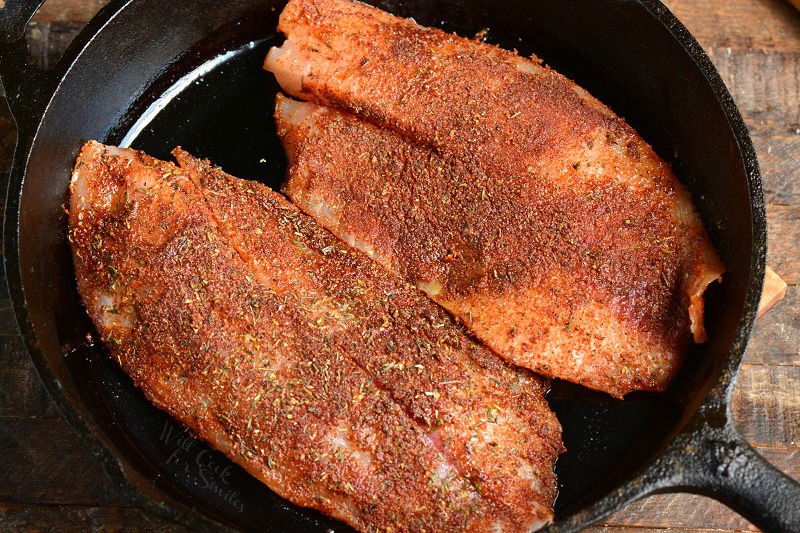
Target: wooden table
x=48, y=480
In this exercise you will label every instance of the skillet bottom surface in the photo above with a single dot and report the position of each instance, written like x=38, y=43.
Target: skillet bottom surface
x=222, y=110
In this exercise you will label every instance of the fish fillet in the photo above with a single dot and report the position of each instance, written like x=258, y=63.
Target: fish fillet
x=324, y=376
x=514, y=198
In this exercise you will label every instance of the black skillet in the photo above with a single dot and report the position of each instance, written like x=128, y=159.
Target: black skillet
x=158, y=73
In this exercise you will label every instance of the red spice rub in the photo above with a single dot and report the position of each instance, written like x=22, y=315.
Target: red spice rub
x=332, y=382
x=541, y=274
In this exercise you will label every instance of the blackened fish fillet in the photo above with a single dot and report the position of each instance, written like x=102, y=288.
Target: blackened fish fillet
x=325, y=377
x=552, y=229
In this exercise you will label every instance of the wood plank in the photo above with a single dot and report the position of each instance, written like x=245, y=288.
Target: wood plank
x=692, y=512
x=645, y=529
x=22, y=393
x=68, y=10
x=679, y=511
x=783, y=253
x=778, y=148
x=735, y=23
x=766, y=405
x=776, y=337
x=48, y=40
x=765, y=84
x=740, y=23
x=43, y=461
x=77, y=519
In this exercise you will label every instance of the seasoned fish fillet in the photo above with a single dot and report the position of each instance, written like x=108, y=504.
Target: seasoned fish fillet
x=523, y=265
x=324, y=376
x=517, y=201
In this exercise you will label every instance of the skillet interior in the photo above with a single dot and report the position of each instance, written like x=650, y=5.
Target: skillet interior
x=616, y=49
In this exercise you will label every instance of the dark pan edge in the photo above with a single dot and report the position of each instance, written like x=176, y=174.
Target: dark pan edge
x=38, y=100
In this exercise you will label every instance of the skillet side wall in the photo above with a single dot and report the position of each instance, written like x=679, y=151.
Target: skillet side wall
x=615, y=49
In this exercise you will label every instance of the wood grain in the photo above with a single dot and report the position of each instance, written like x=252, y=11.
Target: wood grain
x=750, y=24
x=77, y=11
x=783, y=243
x=22, y=394
x=48, y=40
x=44, y=462
x=646, y=529
x=764, y=83
x=766, y=405
x=78, y=519
x=778, y=147
x=775, y=338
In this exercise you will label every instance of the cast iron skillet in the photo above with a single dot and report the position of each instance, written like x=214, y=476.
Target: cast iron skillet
x=157, y=74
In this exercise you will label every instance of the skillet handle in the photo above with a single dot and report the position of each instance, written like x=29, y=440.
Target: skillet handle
x=721, y=464
x=23, y=81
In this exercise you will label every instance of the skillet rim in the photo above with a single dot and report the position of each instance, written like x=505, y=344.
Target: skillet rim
x=717, y=399
x=121, y=477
